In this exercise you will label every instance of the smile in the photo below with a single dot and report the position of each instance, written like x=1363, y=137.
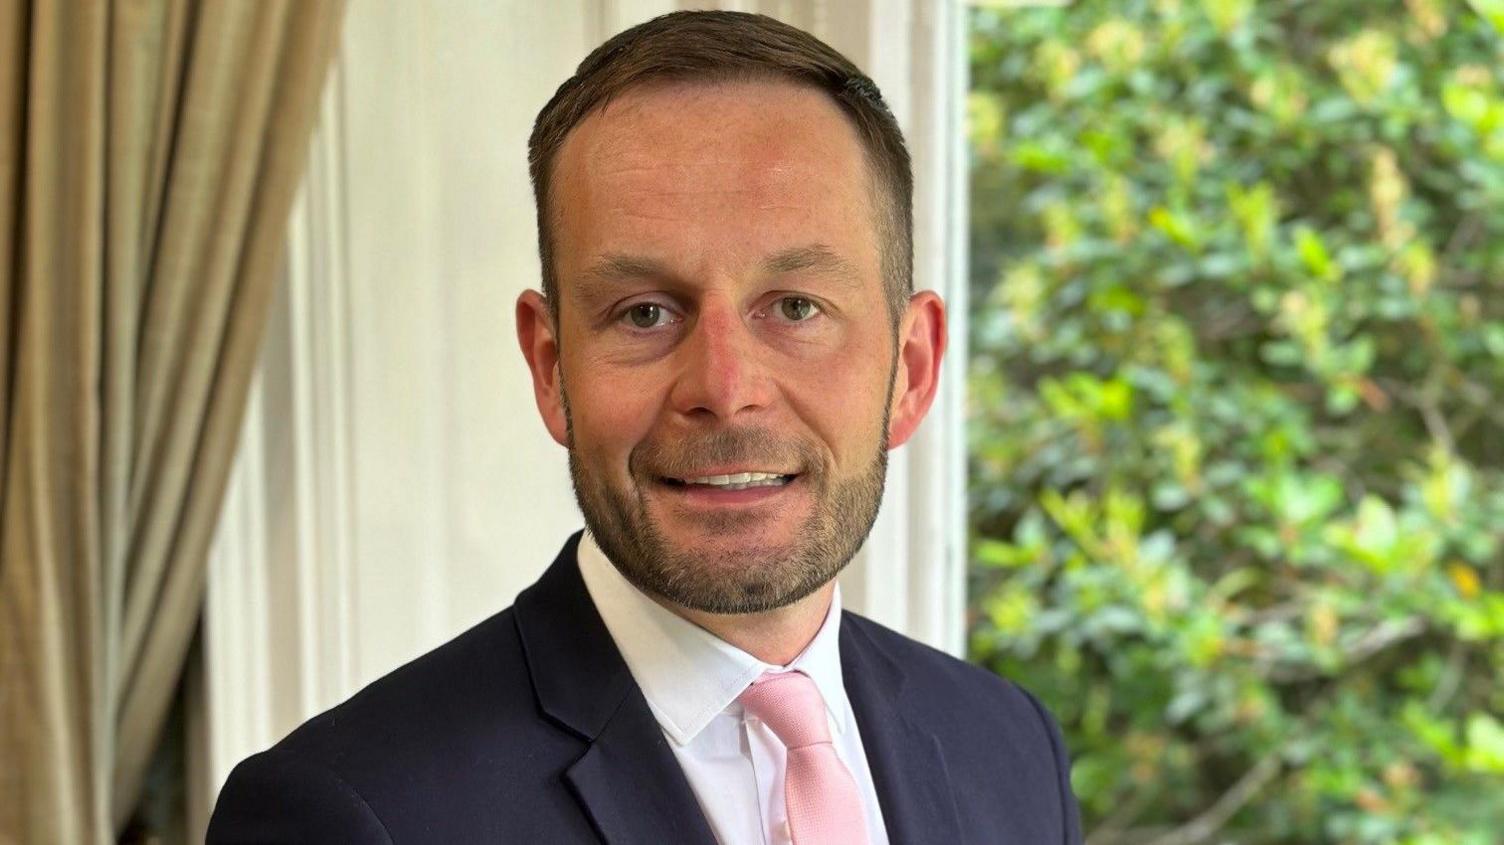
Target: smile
x=734, y=481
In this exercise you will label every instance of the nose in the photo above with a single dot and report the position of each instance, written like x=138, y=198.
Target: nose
x=722, y=374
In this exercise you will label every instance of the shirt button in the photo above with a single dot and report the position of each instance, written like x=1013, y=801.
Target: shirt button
x=784, y=834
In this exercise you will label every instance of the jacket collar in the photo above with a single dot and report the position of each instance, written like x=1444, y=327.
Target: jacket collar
x=628, y=782
x=908, y=767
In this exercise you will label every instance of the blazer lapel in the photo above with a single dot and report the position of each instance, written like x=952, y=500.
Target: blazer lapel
x=908, y=766
x=627, y=781
x=633, y=788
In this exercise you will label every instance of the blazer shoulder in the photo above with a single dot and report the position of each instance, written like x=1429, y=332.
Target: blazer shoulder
x=421, y=746
x=280, y=796
x=426, y=705
x=988, y=726
x=957, y=682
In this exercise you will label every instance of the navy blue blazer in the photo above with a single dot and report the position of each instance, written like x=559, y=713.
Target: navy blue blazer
x=528, y=728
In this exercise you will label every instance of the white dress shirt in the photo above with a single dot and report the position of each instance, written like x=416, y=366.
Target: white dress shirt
x=691, y=680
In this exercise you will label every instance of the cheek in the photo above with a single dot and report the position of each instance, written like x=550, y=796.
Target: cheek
x=842, y=397
x=610, y=412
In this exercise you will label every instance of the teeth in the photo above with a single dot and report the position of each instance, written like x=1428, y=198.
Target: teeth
x=740, y=480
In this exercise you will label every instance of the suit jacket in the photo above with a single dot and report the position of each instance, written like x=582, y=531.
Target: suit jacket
x=529, y=728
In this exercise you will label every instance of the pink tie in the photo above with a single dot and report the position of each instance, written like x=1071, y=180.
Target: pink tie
x=823, y=804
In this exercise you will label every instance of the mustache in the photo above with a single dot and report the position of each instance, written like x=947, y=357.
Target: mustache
x=683, y=456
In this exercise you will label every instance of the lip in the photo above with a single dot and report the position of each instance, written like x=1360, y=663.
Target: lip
x=697, y=496
x=728, y=470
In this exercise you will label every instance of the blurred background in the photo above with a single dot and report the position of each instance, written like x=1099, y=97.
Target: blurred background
x=1236, y=408
x=1217, y=469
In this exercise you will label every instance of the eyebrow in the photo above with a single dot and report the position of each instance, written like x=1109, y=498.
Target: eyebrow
x=817, y=257
x=614, y=268
x=599, y=280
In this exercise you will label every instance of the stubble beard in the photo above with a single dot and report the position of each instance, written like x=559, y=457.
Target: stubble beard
x=748, y=579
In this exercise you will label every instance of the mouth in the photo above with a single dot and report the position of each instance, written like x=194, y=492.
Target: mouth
x=732, y=481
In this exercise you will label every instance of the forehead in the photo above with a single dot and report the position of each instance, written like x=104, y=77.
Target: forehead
x=734, y=166
x=776, y=116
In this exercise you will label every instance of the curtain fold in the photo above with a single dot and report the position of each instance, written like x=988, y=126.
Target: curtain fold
x=149, y=155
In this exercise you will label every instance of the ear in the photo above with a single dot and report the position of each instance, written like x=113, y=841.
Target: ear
x=921, y=346
x=540, y=346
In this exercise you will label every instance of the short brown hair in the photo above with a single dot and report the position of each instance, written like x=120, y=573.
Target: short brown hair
x=711, y=46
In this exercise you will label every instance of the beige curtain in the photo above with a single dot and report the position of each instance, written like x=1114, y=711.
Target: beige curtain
x=149, y=153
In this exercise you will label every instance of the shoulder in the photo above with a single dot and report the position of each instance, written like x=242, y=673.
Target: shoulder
x=958, y=686
x=1000, y=743
x=279, y=796
x=448, y=691
x=390, y=753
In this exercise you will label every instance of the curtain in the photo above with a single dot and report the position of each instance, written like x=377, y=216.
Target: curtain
x=149, y=154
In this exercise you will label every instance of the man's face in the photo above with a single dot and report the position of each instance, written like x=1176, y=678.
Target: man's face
x=725, y=357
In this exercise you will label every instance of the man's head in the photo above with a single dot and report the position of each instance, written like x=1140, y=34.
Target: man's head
x=727, y=343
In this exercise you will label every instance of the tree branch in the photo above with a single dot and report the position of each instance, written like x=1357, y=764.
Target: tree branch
x=1112, y=827
x=1451, y=678
x=1374, y=640
x=1206, y=825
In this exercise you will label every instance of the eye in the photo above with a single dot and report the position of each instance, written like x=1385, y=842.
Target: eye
x=647, y=315
x=797, y=309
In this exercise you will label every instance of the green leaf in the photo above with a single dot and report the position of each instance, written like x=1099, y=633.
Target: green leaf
x=1485, y=744
x=1314, y=255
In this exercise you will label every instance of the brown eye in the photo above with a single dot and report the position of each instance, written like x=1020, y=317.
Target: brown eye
x=645, y=315
x=796, y=309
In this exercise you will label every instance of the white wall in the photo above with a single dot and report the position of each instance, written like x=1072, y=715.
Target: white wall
x=395, y=485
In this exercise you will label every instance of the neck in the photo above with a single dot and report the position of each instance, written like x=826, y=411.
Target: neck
x=774, y=636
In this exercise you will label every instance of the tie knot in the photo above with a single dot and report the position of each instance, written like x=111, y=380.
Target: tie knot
x=791, y=706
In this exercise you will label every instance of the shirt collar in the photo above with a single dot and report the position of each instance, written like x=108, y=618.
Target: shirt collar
x=687, y=674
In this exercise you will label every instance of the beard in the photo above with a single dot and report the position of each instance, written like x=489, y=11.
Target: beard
x=753, y=577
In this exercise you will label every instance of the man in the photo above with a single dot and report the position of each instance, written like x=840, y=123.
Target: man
x=727, y=342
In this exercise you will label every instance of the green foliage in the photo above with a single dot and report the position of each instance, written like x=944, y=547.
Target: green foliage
x=1237, y=409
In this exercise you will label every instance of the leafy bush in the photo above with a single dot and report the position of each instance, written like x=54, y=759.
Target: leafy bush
x=1237, y=432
